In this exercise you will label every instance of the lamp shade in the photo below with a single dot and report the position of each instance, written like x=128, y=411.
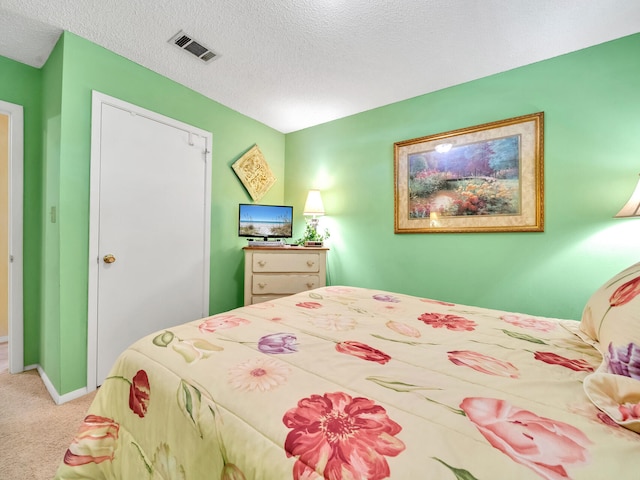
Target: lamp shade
x=632, y=207
x=313, y=205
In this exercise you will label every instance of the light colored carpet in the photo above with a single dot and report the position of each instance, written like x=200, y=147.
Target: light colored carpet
x=35, y=431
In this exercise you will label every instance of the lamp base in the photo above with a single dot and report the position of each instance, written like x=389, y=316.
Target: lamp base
x=312, y=244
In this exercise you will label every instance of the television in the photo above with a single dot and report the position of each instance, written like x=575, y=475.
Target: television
x=265, y=221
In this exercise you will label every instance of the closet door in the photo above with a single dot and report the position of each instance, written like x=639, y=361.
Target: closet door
x=153, y=228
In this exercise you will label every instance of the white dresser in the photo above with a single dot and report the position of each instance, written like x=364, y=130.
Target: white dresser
x=274, y=272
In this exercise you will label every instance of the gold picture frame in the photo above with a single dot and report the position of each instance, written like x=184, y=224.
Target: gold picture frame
x=486, y=178
x=254, y=173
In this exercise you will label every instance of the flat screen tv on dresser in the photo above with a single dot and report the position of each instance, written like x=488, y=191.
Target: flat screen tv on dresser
x=265, y=221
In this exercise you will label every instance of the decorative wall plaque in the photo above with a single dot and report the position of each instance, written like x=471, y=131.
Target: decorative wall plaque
x=254, y=173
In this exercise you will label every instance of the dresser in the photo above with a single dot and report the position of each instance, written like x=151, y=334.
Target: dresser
x=274, y=272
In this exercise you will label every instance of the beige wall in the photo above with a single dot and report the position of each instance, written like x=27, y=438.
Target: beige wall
x=4, y=225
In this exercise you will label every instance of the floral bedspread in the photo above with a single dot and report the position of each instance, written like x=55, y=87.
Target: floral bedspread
x=352, y=383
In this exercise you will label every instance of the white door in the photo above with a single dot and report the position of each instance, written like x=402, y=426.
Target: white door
x=153, y=225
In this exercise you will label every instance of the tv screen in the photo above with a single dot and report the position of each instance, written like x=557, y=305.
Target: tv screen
x=266, y=221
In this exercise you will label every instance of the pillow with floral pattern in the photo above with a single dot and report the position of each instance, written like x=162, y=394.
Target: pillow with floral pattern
x=617, y=396
x=611, y=318
x=612, y=314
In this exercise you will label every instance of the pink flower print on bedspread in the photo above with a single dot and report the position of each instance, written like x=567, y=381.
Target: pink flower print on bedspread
x=341, y=437
x=259, y=374
x=339, y=290
x=363, y=351
x=309, y=305
x=531, y=323
x=450, y=322
x=577, y=365
x=221, y=322
x=544, y=445
x=139, y=393
x=483, y=363
x=624, y=360
x=95, y=442
x=403, y=329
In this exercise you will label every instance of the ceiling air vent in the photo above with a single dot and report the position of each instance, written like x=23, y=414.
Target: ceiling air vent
x=186, y=42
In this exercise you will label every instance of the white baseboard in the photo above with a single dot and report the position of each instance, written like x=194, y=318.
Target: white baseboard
x=57, y=398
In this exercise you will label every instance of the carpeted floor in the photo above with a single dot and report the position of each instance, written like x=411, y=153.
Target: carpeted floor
x=35, y=432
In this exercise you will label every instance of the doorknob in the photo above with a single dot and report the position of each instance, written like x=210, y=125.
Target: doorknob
x=109, y=258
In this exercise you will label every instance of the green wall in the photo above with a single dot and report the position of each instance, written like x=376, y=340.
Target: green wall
x=20, y=84
x=50, y=340
x=591, y=101
x=87, y=67
x=591, y=104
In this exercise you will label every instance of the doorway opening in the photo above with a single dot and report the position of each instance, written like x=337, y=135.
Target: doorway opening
x=11, y=205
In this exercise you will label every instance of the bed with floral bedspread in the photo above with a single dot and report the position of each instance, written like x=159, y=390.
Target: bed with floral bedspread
x=353, y=383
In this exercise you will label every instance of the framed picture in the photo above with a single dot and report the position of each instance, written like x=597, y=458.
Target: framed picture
x=487, y=178
x=254, y=173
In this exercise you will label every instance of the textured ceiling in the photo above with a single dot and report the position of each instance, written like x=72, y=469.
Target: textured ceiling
x=292, y=64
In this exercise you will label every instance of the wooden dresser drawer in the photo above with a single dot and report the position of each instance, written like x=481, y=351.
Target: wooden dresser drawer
x=283, y=284
x=275, y=272
x=274, y=262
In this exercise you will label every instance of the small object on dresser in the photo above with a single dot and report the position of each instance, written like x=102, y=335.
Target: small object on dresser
x=312, y=235
x=311, y=243
x=266, y=243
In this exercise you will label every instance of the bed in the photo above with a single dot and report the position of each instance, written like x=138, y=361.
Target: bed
x=354, y=383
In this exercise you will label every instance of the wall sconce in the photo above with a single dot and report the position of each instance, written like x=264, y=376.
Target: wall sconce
x=632, y=207
x=313, y=207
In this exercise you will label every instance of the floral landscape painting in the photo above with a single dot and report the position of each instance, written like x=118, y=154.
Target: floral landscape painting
x=485, y=178
x=477, y=179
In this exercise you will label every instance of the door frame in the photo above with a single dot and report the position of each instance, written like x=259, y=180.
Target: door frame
x=98, y=100
x=16, y=189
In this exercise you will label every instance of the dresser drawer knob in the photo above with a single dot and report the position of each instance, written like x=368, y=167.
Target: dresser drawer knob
x=262, y=263
x=310, y=284
x=311, y=263
x=262, y=285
